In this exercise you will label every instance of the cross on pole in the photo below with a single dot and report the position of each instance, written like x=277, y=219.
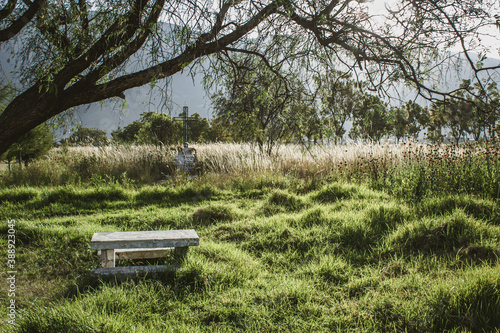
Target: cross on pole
x=185, y=118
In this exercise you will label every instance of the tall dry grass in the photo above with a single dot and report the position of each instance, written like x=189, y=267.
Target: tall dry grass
x=231, y=158
x=422, y=166
x=296, y=159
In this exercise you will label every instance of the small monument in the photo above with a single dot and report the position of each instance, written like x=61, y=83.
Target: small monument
x=186, y=157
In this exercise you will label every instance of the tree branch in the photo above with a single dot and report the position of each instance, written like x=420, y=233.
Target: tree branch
x=8, y=9
x=125, y=52
x=83, y=93
x=22, y=21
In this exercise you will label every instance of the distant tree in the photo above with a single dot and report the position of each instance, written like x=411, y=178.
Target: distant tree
x=398, y=122
x=457, y=114
x=84, y=136
x=256, y=102
x=418, y=117
x=370, y=119
x=338, y=94
x=128, y=134
x=306, y=122
x=486, y=111
x=159, y=129
x=436, y=123
x=198, y=128
x=407, y=121
x=219, y=131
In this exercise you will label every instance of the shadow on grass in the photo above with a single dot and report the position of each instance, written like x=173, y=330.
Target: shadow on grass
x=478, y=208
x=67, y=200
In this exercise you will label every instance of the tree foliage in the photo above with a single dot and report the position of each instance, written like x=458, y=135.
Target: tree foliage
x=84, y=136
x=408, y=120
x=255, y=102
x=471, y=112
x=371, y=121
x=339, y=94
x=198, y=129
x=34, y=144
x=159, y=128
x=75, y=52
x=128, y=134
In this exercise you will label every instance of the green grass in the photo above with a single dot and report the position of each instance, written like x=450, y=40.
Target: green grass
x=283, y=255
x=401, y=239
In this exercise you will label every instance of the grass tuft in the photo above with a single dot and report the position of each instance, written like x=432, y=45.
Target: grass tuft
x=443, y=235
x=212, y=214
x=478, y=208
x=335, y=192
x=280, y=201
x=17, y=195
x=471, y=303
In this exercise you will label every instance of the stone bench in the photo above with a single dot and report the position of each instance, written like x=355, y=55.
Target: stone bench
x=141, y=245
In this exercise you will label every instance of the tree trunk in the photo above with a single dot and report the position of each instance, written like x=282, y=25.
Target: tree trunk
x=41, y=102
x=24, y=113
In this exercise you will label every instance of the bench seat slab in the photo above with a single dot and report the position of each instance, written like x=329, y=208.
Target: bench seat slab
x=144, y=239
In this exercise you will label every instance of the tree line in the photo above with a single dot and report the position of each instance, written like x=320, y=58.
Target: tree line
x=258, y=115
x=256, y=103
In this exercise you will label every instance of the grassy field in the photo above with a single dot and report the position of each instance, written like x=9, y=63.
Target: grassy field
x=363, y=239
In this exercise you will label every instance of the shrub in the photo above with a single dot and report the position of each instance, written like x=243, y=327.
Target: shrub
x=443, y=235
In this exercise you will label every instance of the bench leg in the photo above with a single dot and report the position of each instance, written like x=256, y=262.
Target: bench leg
x=108, y=258
x=180, y=254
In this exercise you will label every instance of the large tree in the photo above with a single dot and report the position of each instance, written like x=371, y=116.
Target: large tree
x=73, y=51
x=338, y=94
x=485, y=106
x=408, y=120
x=254, y=101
